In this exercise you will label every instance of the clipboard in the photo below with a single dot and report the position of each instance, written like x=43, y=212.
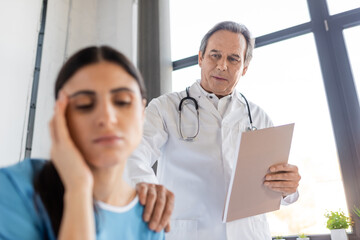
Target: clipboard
x=247, y=196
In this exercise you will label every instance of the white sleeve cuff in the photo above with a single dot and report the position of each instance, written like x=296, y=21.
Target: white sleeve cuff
x=289, y=199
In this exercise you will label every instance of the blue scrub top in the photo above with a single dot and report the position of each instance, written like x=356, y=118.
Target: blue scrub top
x=23, y=216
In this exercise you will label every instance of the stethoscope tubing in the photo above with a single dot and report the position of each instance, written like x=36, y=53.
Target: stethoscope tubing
x=189, y=98
x=252, y=128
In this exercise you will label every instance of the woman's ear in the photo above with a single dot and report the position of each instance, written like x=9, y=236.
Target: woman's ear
x=144, y=105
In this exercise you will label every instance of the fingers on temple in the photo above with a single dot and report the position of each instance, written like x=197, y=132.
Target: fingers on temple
x=60, y=120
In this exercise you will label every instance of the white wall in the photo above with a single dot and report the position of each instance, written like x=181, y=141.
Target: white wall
x=79, y=23
x=53, y=56
x=99, y=22
x=70, y=26
x=19, y=24
x=117, y=25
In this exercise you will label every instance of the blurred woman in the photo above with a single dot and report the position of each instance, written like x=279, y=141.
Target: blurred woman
x=80, y=193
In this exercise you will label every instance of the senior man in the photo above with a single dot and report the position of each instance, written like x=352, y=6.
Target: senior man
x=195, y=147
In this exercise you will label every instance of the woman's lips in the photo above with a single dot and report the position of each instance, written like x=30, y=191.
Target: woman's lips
x=107, y=139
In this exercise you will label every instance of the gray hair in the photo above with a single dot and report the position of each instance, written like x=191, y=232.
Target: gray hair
x=235, y=28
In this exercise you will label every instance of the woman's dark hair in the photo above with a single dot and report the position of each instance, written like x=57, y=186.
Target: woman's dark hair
x=48, y=183
x=92, y=55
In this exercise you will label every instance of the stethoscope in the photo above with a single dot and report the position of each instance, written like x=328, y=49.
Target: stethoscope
x=192, y=100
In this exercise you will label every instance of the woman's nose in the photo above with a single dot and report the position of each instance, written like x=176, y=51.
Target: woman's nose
x=106, y=115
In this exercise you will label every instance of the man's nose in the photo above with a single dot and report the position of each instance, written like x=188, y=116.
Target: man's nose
x=221, y=64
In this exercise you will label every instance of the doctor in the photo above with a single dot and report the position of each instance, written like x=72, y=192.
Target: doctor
x=196, y=148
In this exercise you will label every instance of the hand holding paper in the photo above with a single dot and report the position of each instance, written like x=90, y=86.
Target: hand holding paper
x=283, y=178
x=248, y=194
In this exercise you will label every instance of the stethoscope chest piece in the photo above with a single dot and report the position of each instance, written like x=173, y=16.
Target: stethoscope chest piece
x=251, y=128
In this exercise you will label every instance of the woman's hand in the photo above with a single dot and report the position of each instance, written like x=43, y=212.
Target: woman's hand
x=78, y=219
x=74, y=172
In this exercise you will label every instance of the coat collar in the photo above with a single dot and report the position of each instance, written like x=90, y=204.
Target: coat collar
x=200, y=93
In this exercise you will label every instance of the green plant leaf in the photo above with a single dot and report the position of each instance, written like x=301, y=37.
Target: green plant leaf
x=337, y=220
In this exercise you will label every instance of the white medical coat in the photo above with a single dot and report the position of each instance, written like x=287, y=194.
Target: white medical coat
x=198, y=172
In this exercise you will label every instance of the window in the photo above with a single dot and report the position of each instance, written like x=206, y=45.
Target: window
x=189, y=24
x=290, y=89
x=185, y=77
x=352, y=38
x=336, y=6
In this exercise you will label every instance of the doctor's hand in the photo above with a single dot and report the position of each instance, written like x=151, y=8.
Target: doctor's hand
x=283, y=178
x=159, y=204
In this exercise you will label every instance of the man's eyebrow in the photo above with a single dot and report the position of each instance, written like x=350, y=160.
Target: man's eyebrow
x=235, y=55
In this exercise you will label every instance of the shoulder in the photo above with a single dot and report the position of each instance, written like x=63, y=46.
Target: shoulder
x=20, y=175
x=124, y=222
x=257, y=109
x=260, y=116
x=168, y=99
x=162, y=107
x=147, y=232
x=19, y=218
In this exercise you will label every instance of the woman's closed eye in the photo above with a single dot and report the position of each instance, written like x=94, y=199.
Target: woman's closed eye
x=122, y=103
x=122, y=99
x=83, y=102
x=85, y=106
